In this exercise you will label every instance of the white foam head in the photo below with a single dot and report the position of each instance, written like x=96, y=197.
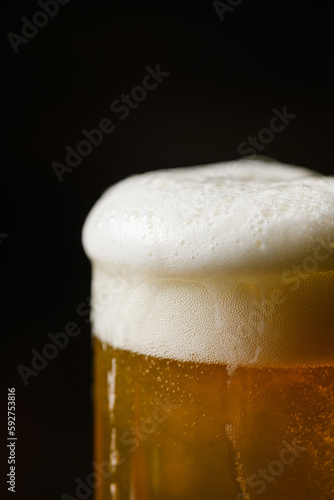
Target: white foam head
x=231, y=263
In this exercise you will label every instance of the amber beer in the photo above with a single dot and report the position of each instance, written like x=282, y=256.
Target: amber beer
x=214, y=379
x=265, y=432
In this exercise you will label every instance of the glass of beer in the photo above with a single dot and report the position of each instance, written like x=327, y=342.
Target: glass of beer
x=213, y=333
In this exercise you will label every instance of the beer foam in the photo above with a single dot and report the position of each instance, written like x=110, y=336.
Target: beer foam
x=227, y=263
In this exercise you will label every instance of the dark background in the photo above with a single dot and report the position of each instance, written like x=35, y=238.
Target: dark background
x=225, y=79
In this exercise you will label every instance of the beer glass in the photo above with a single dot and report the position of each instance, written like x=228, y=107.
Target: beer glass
x=212, y=316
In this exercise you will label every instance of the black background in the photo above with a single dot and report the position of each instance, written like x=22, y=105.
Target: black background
x=225, y=79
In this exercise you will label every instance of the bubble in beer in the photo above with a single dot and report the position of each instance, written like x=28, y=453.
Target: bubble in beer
x=226, y=263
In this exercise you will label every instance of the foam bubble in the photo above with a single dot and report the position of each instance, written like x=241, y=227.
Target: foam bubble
x=227, y=263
